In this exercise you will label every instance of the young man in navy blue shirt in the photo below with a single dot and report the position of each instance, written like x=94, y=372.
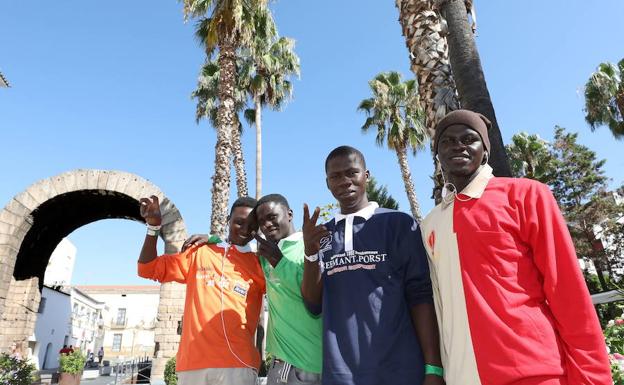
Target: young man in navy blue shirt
x=366, y=271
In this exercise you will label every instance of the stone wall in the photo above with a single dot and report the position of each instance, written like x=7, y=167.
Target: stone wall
x=19, y=299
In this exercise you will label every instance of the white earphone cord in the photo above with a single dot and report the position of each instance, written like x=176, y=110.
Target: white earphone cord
x=227, y=250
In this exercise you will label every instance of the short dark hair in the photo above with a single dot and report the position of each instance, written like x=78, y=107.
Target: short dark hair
x=276, y=198
x=243, y=202
x=344, y=151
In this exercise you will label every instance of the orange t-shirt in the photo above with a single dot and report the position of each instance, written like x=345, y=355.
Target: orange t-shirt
x=203, y=343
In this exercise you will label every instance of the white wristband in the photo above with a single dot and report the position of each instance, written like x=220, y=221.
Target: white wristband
x=153, y=230
x=311, y=258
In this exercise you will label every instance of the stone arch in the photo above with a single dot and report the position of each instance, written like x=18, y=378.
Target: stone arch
x=34, y=222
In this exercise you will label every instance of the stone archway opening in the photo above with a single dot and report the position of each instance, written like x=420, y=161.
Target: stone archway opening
x=57, y=217
x=34, y=222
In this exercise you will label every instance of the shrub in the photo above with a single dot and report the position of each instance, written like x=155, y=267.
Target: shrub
x=614, y=337
x=72, y=363
x=15, y=371
x=616, y=371
x=171, y=378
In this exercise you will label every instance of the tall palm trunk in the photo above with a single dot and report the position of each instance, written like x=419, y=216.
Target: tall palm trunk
x=469, y=78
x=258, y=107
x=226, y=117
x=239, y=163
x=425, y=38
x=409, y=185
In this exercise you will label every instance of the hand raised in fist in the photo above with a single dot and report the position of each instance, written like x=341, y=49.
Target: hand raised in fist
x=312, y=233
x=150, y=210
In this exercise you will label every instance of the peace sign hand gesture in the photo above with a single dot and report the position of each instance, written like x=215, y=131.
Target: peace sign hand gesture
x=150, y=210
x=268, y=250
x=312, y=233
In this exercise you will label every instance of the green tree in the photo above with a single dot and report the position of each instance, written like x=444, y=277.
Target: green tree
x=469, y=77
x=395, y=112
x=271, y=62
x=380, y=194
x=604, y=98
x=223, y=25
x=531, y=157
x=580, y=187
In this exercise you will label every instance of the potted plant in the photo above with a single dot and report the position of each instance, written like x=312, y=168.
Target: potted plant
x=71, y=366
x=15, y=371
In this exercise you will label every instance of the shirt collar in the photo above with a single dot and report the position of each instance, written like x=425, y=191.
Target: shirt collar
x=248, y=248
x=477, y=186
x=294, y=237
x=365, y=213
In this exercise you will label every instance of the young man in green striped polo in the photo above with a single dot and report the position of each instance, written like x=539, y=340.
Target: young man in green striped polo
x=294, y=336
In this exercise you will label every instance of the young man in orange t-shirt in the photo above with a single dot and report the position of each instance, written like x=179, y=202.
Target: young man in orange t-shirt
x=224, y=288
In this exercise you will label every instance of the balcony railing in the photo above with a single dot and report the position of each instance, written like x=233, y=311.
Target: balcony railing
x=119, y=324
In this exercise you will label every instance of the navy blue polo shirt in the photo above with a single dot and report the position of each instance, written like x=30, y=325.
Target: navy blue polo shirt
x=374, y=269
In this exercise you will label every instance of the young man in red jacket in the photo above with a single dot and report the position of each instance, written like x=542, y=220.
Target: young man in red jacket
x=511, y=302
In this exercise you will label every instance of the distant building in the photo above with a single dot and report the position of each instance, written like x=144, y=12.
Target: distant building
x=61, y=264
x=87, y=328
x=129, y=319
x=52, y=329
x=55, y=325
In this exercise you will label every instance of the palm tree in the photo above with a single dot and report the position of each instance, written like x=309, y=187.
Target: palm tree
x=224, y=25
x=469, y=78
x=395, y=111
x=3, y=81
x=530, y=157
x=267, y=77
x=425, y=38
x=206, y=94
x=604, y=98
x=380, y=194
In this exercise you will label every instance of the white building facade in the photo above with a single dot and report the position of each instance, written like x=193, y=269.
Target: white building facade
x=61, y=264
x=87, y=329
x=52, y=329
x=129, y=319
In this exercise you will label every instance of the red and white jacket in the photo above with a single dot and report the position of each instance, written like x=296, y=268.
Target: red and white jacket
x=511, y=302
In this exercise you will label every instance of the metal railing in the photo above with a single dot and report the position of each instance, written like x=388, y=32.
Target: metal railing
x=126, y=370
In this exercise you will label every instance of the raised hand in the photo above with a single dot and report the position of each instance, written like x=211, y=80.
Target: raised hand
x=195, y=240
x=268, y=250
x=312, y=233
x=150, y=210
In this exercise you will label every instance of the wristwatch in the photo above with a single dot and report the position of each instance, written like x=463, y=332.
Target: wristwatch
x=312, y=258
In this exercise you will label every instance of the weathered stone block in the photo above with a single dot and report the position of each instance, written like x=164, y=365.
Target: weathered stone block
x=92, y=179
x=27, y=200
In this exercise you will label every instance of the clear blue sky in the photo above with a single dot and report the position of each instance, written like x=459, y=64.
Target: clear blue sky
x=106, y=85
